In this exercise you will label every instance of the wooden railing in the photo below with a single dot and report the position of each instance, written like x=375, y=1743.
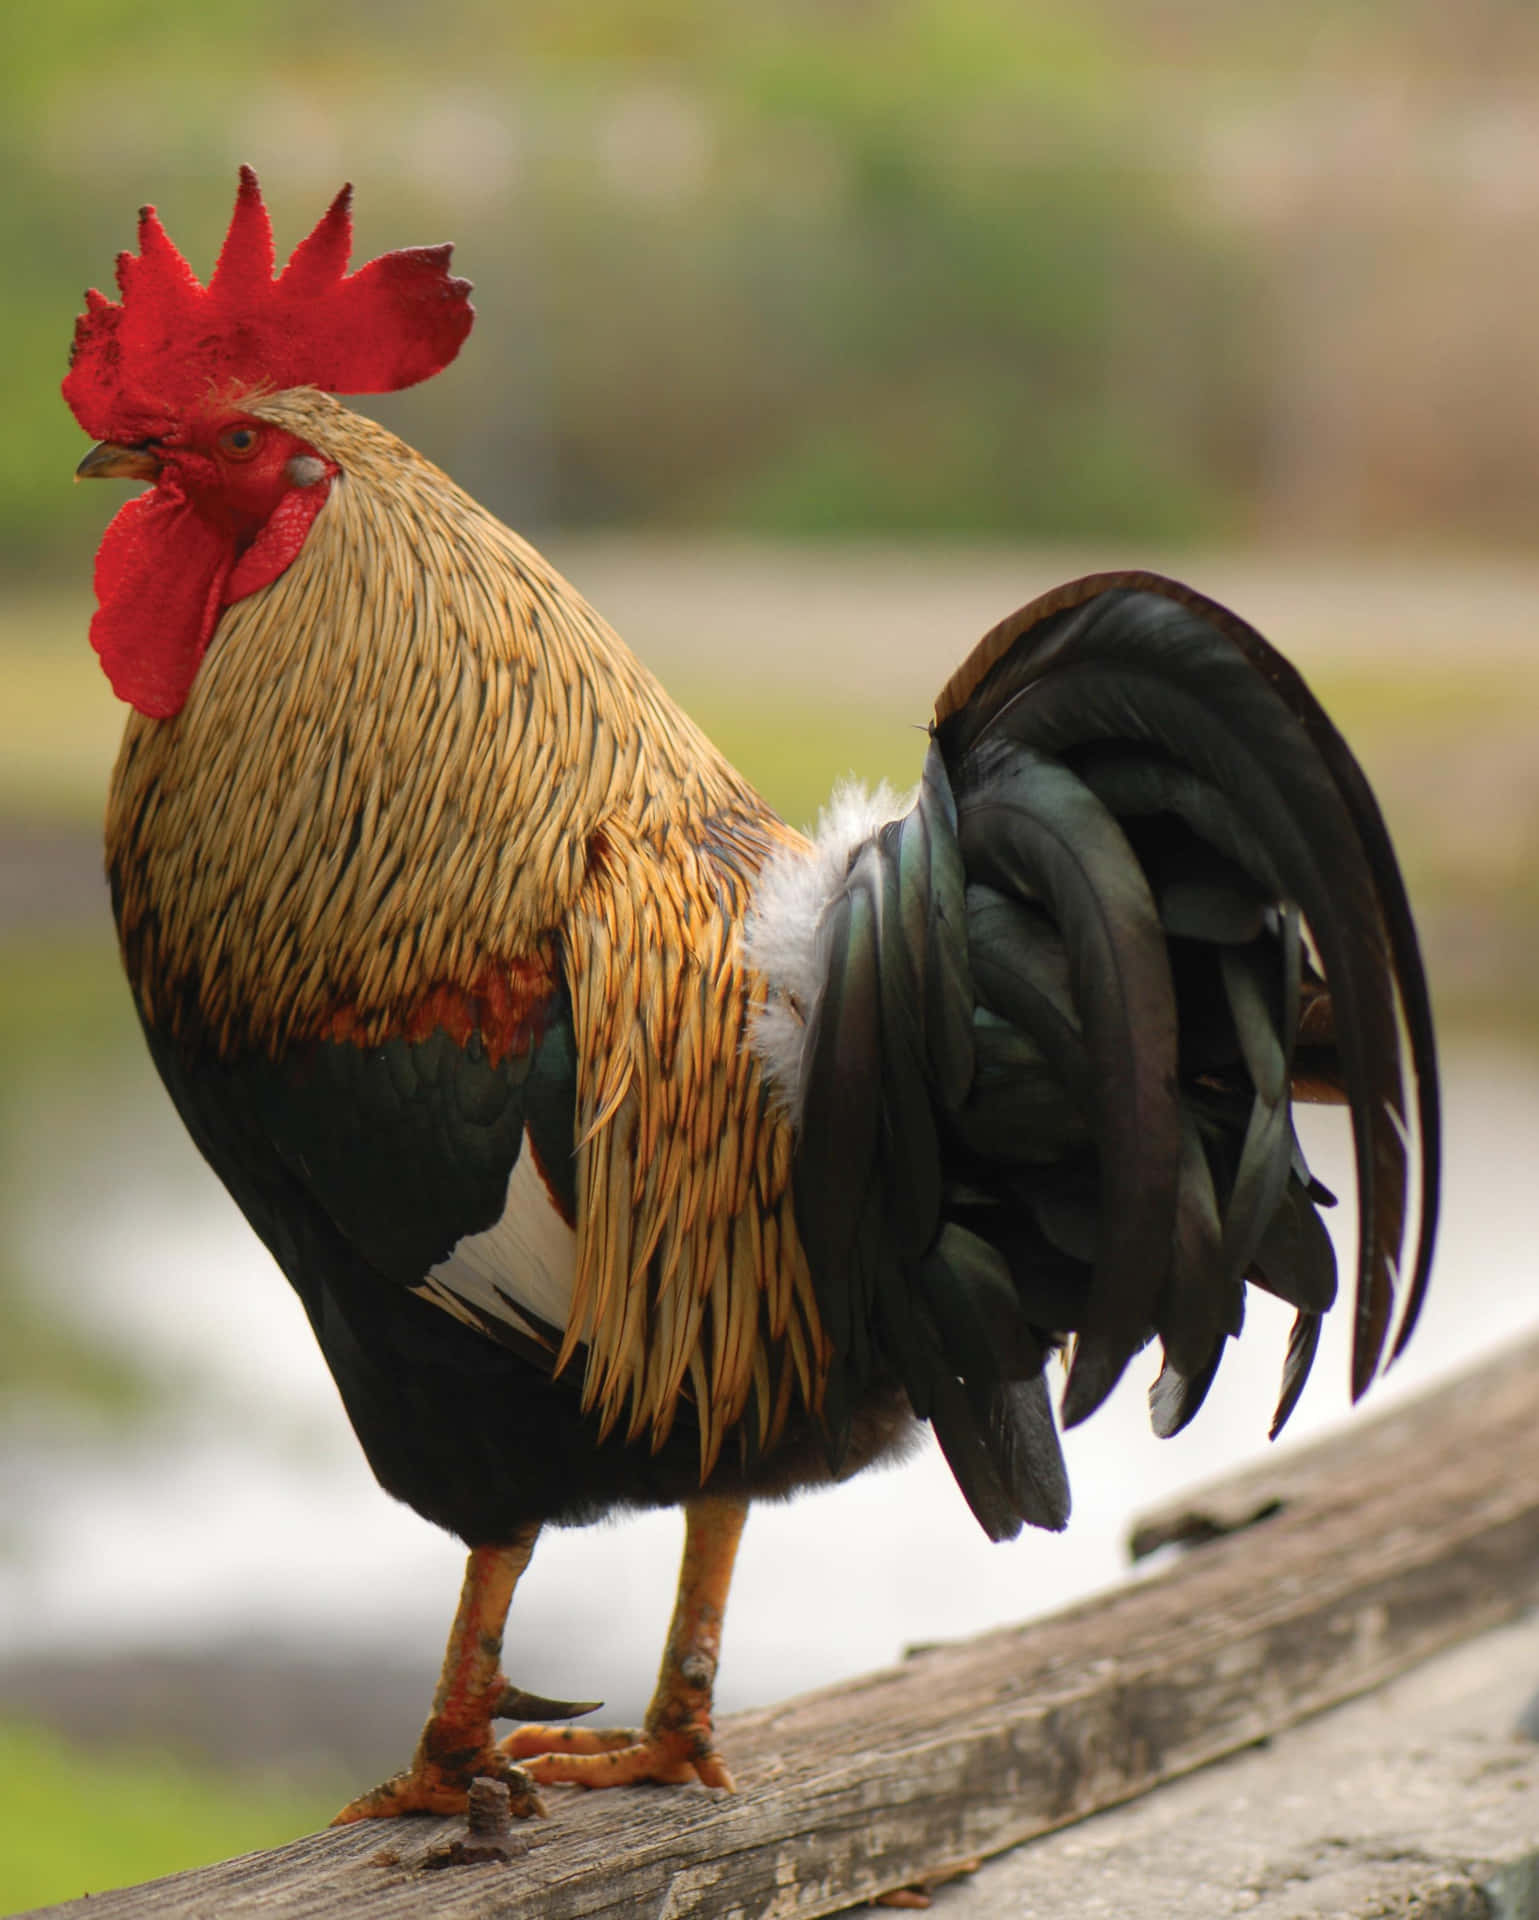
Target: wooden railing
x=1322, y=1576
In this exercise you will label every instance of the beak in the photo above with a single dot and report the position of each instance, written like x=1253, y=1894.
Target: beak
x=109, y=462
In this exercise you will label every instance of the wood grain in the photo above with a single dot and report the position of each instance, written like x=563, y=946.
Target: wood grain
x=1405, y=1535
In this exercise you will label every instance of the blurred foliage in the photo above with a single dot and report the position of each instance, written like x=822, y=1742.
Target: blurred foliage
x=80, y=1823
x=61, y=722
x=832, y=265
x=787, y=266
x=50, y=1363
x=794, y=750
x=63, y=1001
x=1452, y=751
x=64, y=1015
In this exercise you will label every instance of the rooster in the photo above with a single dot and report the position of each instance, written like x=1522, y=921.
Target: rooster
x=625, y=1147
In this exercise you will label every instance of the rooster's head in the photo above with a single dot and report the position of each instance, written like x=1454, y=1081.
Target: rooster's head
x=171, y=379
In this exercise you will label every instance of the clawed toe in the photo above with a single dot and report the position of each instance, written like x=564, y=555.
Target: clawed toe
x=616, y=1757
x=674, y=1747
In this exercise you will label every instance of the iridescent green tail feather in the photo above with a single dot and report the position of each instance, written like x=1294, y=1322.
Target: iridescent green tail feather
x=1045, y=1100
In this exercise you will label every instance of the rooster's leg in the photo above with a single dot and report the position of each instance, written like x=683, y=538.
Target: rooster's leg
x=675, y=1744
x=456, y=1744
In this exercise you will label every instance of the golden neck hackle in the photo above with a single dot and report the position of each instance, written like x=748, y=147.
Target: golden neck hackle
x=392, y=765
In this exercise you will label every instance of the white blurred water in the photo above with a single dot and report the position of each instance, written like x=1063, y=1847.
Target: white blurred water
x=248, y=1510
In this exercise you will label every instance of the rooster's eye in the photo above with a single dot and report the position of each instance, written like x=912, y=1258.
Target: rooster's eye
x=239, y=443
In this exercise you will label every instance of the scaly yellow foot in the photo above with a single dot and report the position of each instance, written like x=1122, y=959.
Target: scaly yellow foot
x=455, y=1748
x=676, y=1745
x=456, y=1745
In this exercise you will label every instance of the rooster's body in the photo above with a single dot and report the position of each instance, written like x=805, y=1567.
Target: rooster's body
x=627, y=1149
x=393, y=1025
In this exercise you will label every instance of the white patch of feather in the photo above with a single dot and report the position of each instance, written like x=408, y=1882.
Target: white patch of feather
x=527, y=1258
x=783, y=936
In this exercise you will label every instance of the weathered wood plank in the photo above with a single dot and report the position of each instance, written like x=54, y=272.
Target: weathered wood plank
x=1413, y=1531
x=1418, y=1799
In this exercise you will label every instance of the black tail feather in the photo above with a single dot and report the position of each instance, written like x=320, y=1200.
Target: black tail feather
x=1029, y=827
x=1135, y=658
x=1302, y=1342
x=1047, y=1089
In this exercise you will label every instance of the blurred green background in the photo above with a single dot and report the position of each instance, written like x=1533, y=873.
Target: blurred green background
x=815, y=334
x=828, y=266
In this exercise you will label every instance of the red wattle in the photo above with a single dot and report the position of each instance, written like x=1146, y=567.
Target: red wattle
x=164, y=574
x=161, y=573
x=279, y=541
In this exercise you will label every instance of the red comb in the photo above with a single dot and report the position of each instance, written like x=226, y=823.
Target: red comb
x=139, y=366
